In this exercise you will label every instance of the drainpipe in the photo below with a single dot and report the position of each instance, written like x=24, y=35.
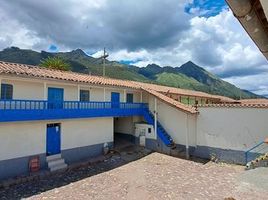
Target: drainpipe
x=155, y=117
x=187, y=138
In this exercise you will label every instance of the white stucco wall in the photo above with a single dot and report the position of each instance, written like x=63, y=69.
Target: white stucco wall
x=231, y=128
x=22, y=139
x=29, y=138
x=85, y=132
x=175, y=122
x=26, y=90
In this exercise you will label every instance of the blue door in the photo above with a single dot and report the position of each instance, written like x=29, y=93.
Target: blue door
x=115, y=99
x=53, y=139
x=55, y=98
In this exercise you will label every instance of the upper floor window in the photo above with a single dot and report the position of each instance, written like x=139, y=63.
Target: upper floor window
x=84, y=95
x=129, y=98
x=6, y=91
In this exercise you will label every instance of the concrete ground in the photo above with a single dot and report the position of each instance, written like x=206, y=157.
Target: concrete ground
x=148, y=176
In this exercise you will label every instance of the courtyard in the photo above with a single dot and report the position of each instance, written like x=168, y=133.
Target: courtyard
x=137, y=173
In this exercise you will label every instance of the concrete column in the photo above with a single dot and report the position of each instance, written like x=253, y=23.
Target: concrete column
x=45, y=91
x=187, y=138
x=78, y=92
x=141, y=97
x=155, y=116
x=104, y=94
x=125, y=96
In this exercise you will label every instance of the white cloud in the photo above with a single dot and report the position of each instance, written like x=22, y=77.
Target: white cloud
x=149, y=32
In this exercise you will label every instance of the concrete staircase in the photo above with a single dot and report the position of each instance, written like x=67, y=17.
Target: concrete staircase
x=161, y=132
x=56, y=162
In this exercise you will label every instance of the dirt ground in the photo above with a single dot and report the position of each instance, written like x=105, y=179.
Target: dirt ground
x=151, y=176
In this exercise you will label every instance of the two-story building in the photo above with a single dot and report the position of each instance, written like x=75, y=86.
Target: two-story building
x=63, y=117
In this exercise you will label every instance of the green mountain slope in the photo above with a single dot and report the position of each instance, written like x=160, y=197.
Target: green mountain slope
x=188, y=76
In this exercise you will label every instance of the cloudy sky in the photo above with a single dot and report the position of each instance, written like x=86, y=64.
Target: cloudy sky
x=140, y=32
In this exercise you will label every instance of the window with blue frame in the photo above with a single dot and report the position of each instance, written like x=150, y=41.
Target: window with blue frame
x=84, y=95
x=129, y=98
x=6, y=91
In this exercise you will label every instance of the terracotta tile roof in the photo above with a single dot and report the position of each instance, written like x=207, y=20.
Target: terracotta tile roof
x=41, y=72
x=253, y=101
x=233, y=105
x=172, y=102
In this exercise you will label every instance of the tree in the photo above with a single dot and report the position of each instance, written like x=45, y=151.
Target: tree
x=55, y=63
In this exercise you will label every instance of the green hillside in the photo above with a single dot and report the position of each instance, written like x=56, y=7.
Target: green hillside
x=188, y=76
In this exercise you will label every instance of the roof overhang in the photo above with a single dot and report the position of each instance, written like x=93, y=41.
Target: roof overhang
x=252, y=14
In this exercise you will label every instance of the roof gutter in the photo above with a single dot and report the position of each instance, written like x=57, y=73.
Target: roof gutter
x=245, y=12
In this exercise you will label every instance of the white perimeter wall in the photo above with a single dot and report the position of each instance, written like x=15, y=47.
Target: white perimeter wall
x=29, y=138
x=175, y=122
x=231, y=128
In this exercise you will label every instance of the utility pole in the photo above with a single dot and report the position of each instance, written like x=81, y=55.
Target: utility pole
x=103, y=57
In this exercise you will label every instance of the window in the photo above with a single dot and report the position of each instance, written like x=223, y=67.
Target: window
x=149, y=130
x=6, y=91
x=84, y=95
x=129, y=98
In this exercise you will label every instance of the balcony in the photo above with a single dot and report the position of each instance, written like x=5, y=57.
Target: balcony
x=28, y=110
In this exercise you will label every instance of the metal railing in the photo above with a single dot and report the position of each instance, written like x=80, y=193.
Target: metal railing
x=256, y=152
x=65, y=105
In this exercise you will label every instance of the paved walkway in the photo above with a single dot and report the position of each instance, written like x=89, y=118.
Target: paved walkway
x=155, y=176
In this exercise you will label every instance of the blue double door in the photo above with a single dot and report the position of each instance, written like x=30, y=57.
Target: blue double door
x=115, y=99
x=55, y=98
x=53, y=139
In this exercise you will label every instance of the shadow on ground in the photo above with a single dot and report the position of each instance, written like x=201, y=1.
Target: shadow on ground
x=122, y=155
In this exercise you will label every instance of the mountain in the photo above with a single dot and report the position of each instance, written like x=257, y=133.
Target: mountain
x=187, y=76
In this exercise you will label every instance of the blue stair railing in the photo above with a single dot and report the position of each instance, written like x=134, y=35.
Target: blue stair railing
x=161, y=132
x=255, y=152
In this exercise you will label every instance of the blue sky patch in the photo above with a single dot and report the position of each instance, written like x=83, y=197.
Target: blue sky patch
x=129, y=62
x=205, y=8
x=52, y=48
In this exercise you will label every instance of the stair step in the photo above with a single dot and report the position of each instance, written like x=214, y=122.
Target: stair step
x=58, y=167
x=55, y=162
x=53, y=157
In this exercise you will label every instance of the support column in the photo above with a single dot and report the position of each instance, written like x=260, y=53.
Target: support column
x=104, y=94
x=78, y=92
x=155, y=116
x=141, y=97
x=45, y=91
x=187, y=138
x=125, y=96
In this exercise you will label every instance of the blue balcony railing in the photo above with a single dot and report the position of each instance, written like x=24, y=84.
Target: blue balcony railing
x=23, y=110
